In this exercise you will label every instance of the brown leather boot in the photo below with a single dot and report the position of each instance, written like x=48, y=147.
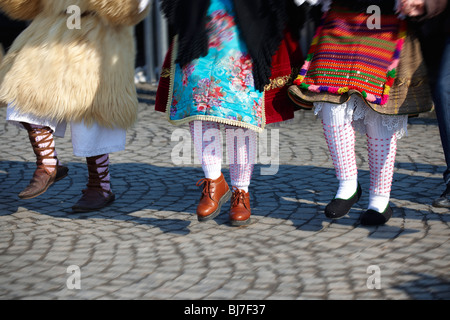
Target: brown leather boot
x=43, y=177
x=240, y=210
x=94, y=197
x=215, y=193
x=42, y=180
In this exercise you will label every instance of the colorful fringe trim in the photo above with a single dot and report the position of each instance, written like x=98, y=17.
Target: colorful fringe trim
x=330, y=63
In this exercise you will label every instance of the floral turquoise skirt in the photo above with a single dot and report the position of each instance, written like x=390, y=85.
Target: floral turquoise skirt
x=219, y=87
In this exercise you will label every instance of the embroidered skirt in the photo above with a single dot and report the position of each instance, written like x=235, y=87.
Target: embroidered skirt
x=383, y=65
x=219, y=87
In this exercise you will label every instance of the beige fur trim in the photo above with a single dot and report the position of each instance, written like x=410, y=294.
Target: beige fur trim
x=73, y=74
x=119, y=12
x=21, y=9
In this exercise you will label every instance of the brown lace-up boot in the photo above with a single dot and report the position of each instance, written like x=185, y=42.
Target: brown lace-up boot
x=215, y=193
x=95, y=197
x=240, y=210
x=43, y=176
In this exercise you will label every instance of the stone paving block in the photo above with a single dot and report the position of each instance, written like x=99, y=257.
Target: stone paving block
x=149, y=245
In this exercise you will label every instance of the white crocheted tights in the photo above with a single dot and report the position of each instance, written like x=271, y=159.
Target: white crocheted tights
x=382, y=147
x=240, y=146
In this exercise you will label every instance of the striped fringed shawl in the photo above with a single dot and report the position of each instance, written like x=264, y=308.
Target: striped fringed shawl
x=346, y=54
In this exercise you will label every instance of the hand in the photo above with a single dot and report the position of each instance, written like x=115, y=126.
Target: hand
x=412, y=8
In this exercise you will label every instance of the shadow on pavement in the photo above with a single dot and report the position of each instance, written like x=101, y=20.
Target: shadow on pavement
x=166, y=197
x=423, y=285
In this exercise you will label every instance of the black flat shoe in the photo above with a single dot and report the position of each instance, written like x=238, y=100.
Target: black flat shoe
x=338, y=208
x=444, y=200
x=375, y=218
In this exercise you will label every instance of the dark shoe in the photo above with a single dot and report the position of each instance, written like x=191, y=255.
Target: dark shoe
x=93, y=199
x=215, y=193
x=375, y=218
x=61, y=173
x=240, y=210
x=444, y=200
x=338, y=208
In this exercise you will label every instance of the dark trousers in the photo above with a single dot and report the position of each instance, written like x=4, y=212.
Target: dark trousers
x=442, y=105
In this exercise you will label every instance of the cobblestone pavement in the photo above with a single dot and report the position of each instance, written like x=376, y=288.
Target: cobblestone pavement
x=149, y=245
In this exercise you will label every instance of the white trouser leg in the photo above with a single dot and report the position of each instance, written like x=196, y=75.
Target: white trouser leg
x=13, y=116
x=87, y=141
x=96, y=140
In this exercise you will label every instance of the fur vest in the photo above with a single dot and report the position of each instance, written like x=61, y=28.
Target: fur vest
x=66, y=73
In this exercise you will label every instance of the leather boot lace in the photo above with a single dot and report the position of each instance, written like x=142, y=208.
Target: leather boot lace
x=46, y=135
x=96, y=178
x=206, y=192
x=238, y=197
